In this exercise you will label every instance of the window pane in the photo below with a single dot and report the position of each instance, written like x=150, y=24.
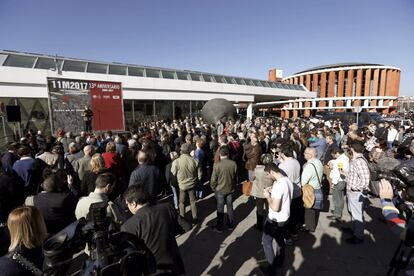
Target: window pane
x=168, y=74
x=249, y=82
x=134, y=71
x=182, y=76
x=45, y=63
x=117, y=70
x=97, y=68
x=239, y=81
x=143, y=110
x=128, y=113
x=34, y=114
x=2, y=58
x=75, y=66
x=196, y=107
x=220, y=79
x=20, y=61
x=258, y=83
x=229, y=80
x=151, y=73
x=182, y=109
x=208, y=78
x=163, y=110
x=195, y=77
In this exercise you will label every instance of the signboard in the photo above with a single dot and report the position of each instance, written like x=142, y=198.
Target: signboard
x=68, y=97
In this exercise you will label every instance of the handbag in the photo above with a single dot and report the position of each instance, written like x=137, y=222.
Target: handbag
x=247, y=187
x=308, y=194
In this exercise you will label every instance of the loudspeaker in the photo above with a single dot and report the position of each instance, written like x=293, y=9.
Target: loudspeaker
x=13, y=113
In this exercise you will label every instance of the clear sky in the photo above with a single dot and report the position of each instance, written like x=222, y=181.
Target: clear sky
x=240, y=38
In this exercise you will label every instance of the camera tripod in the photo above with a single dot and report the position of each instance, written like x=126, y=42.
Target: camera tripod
x=400, y=260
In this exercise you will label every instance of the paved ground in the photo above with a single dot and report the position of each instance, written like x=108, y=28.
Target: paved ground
x=239, y=252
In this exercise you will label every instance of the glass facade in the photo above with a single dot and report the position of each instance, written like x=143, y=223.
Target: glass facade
x=136, y=111
x=34, y=115
x=65, y=64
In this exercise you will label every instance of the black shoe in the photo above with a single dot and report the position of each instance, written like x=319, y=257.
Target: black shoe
x=216, y=229
x=354, y=240
x=304, y=229
x=230, y=227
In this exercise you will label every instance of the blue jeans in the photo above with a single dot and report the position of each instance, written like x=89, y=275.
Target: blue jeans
x=356, y=205
x=228, y=200
x=175, y=196
x=199, y=189
x=274, y=231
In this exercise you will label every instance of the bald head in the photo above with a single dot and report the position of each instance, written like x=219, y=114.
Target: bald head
x=310, y=153
x=88, y=150
x=142, y=157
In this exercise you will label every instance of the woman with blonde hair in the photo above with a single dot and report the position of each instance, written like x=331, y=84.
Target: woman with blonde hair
x=97, y=167
x=112, y=159
x=27, y=233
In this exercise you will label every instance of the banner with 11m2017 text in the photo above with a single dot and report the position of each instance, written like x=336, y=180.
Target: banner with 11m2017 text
x=68, y=97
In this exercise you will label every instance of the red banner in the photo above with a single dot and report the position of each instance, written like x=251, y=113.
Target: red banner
x=107, y=107
x=68, y=97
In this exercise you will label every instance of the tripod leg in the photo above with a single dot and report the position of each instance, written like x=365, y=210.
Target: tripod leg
x=395, y=259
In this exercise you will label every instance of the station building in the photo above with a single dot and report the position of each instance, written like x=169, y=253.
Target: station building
x=147, y=92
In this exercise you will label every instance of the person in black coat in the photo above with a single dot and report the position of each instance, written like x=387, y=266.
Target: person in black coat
x=27, y=234
x=56, y=203
x=157, y=226
x=11, y=193
x=10, y=157
x=381, y=132
x=172, y=179
x=148, y=175
x=11, y=196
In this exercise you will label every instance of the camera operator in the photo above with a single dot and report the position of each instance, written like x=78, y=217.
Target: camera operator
x=156, y=225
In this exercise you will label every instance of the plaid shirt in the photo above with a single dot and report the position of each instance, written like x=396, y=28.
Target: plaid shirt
x=359, y=175
x=371, y=143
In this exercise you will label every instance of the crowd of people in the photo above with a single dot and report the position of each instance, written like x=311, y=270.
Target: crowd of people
x=46, y=183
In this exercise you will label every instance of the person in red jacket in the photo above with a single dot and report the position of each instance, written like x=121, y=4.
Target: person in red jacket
x=112, y=159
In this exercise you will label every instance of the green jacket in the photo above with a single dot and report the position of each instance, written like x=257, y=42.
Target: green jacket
x=187, y=170
x=223, y=178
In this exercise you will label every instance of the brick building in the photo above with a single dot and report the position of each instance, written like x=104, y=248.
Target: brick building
x=346, y=86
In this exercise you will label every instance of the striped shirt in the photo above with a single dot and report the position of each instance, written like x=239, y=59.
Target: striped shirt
x=391, y=215
x=359, y=175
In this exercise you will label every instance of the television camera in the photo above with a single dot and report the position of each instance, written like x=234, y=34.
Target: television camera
x=107, y=252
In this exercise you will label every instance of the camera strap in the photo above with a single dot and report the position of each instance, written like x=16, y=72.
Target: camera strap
x=28, y=265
